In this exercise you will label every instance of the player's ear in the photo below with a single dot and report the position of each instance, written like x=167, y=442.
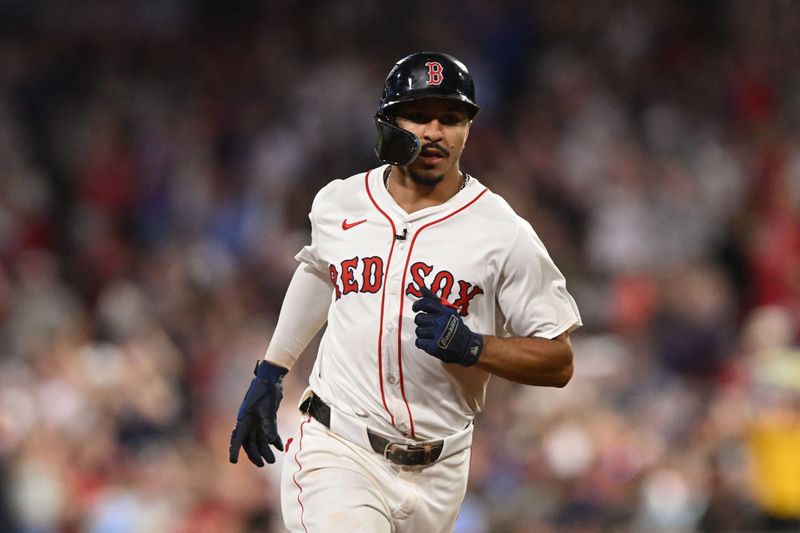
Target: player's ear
x=466, y=134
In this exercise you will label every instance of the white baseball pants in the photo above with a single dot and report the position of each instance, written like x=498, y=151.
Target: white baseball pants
x=330, y=485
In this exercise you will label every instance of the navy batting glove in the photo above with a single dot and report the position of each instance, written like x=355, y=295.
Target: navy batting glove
x=256, y=424
x=442, y=333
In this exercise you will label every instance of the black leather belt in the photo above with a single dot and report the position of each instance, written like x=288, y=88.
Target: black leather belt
x=315, y=407
x=399, y=453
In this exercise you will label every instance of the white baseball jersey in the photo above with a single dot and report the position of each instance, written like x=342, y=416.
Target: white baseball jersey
x=473, y=250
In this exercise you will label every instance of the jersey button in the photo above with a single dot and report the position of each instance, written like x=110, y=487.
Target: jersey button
x=390, y=327
x=391, y=379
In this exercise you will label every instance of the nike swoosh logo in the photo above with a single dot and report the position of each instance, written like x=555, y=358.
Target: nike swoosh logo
x=346, y=226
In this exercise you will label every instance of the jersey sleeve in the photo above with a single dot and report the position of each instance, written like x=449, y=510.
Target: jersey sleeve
x=304, y=311
x=532, y=293
x=309, y=254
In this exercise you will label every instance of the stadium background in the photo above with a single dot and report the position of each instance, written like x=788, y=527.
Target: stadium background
x=157, y=163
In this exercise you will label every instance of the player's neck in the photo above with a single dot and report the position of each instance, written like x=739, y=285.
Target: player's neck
x=413, y=196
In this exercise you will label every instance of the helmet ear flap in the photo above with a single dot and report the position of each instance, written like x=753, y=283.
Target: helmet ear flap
x=395, y=146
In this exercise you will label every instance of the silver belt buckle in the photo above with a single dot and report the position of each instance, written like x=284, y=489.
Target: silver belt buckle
x=389, y=450
x=393, y=447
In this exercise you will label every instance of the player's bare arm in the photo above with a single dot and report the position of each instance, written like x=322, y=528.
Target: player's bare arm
x=528, y=360
x=442, y=333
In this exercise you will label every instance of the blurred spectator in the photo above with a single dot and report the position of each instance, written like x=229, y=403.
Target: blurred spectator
x=773, y=429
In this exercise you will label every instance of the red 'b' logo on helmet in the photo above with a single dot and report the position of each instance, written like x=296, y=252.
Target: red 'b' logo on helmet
x=435, y=76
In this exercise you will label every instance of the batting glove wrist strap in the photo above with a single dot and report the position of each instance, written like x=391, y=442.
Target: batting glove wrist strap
x=256, y=423
x=266, y=370
x=442, y=333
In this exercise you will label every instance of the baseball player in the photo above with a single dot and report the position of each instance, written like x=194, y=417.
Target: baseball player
x=429, y=284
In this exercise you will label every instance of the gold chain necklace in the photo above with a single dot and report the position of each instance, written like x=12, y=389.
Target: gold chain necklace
x=464, y=178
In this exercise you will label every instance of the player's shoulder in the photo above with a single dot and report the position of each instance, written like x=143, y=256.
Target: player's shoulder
x=501, y=212
x=340, y=189
x=510, y=228
x=500, y=205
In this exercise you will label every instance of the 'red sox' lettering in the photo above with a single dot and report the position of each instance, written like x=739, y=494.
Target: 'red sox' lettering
x=442, y=284
x=365, y=275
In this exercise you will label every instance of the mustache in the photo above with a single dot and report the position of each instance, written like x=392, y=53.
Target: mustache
x=434, y=146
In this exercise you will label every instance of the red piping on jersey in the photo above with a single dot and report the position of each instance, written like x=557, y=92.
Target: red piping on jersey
x=300, y=467
x=403, y=295
x=383, y=299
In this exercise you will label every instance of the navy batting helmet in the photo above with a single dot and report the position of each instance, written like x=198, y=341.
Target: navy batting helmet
x=420, y=75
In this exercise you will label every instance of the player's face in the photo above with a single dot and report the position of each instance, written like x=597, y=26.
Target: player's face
x=442, y=127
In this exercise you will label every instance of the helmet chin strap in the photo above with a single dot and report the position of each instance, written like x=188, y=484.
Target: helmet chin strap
x=395, y=145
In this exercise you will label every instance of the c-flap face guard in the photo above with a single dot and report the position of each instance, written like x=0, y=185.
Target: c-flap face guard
x=395, y=145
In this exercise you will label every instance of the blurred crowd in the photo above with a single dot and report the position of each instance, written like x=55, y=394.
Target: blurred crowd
x=157, y=164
